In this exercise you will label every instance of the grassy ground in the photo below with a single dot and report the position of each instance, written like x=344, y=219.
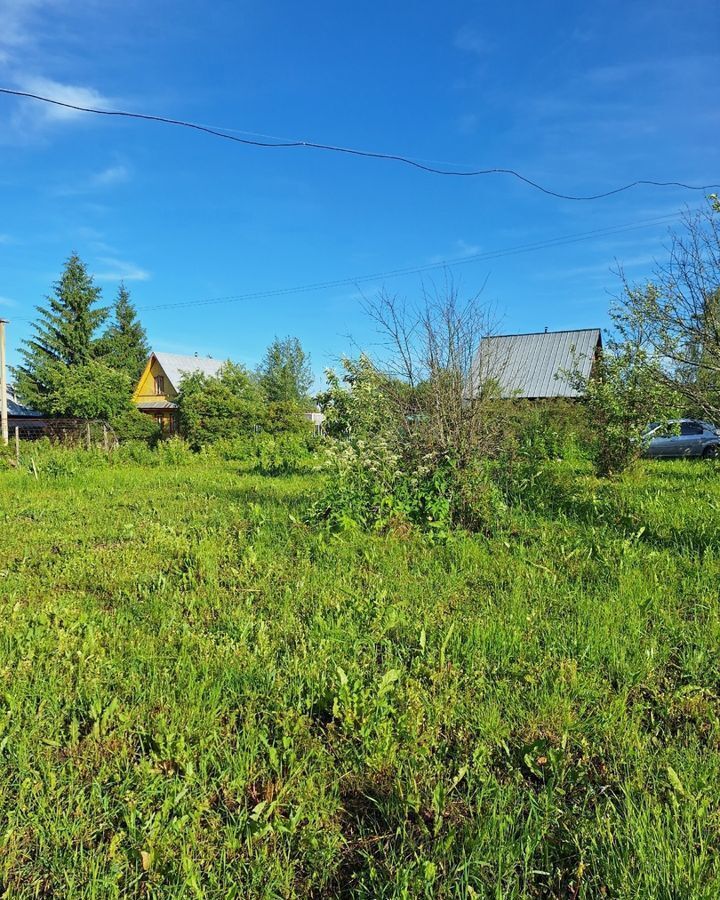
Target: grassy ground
x=201, y=696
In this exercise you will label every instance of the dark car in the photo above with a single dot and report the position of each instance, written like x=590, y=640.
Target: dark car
x=682, y=437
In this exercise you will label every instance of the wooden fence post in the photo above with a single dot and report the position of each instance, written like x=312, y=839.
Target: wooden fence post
x=17, y=446
x=105, y=439
x=88, y=435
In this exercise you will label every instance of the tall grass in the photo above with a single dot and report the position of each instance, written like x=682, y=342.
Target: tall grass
x=203, y=696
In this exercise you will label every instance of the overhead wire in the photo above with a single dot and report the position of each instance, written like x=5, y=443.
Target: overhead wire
x=357, y=280
x=352, y=151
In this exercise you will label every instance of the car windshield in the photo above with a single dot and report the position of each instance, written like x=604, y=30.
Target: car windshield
x=673, y=428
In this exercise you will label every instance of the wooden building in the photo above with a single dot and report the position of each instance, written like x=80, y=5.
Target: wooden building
x=159, y=385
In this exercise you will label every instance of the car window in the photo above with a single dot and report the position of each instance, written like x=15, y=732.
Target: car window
x=690, y=428
x=664, y=431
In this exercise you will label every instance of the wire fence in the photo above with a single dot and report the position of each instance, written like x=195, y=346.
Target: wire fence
x=66, y=432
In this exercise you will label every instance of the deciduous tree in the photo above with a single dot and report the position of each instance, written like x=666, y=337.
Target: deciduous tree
x=284, y=374
x=676, y=316
x=225, y=406
x=623, y=395
x=88, y=390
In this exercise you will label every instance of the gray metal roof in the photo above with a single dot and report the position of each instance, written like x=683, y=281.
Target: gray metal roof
x=16, y=408
x=532, y=365
x=157, y=404
x=175, y=366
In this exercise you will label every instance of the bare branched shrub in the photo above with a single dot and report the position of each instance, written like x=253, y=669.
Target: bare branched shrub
x=416, y=425
x=443, y=398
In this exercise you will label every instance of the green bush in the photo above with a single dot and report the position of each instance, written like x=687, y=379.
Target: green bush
x=547, y=429
x=86, y=391
x=478, y=502
x=219, y=408
x=282, y=454
x=174, y=452
x=369, y=487
x=132, y=425
x=7, y=457
x=57, y=460
x=134, y=451
x=625, y=393
x=382, y=476
x=231, y=449
x=286, y=416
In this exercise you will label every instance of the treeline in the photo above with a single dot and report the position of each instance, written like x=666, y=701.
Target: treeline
x=238, y=402
x=84, y=360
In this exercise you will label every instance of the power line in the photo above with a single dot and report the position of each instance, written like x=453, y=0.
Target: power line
x=548, y=243
x=351, y=151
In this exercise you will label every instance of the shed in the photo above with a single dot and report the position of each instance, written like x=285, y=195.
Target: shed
x=18, y=413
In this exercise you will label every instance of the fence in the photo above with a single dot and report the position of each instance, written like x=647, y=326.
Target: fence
x=68, y=432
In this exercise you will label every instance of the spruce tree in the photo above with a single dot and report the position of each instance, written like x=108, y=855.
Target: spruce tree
x=124, y=345
x=65, y=334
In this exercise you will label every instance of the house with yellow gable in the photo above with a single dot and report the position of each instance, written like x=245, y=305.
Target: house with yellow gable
x=159, y=385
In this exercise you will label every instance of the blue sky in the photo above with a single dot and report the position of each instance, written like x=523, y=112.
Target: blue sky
x=581, y=97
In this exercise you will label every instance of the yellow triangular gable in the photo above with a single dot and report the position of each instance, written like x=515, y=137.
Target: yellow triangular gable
x=149, y=388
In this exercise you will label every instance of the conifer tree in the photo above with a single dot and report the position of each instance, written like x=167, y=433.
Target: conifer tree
x=124, y=345
x=64, y=334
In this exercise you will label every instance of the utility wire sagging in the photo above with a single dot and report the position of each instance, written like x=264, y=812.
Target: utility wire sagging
x=351, y=151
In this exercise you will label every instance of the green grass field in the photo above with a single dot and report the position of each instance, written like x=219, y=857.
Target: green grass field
x=203, y=696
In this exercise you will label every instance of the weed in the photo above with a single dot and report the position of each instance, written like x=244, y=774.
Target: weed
x=203, y=695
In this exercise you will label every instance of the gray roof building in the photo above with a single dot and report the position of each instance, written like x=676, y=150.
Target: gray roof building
x=175, y=366
x=157, y=390
x=16, y=409
x=535, y=366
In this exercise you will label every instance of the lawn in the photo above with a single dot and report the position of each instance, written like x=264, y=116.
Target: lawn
x=201, y=695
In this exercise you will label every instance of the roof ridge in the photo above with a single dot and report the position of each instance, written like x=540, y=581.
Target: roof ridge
x=183, y=355
x=535, y=333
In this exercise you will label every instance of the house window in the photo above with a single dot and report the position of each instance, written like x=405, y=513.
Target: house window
x=159, y=385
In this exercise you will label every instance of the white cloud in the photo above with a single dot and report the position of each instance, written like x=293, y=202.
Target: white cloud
x=26, y=43
x=110, y=176
x=106, y=178
x=73, y=94
x=120, y=270
x=603, y=270
x=16, y=19
x=465, y=249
